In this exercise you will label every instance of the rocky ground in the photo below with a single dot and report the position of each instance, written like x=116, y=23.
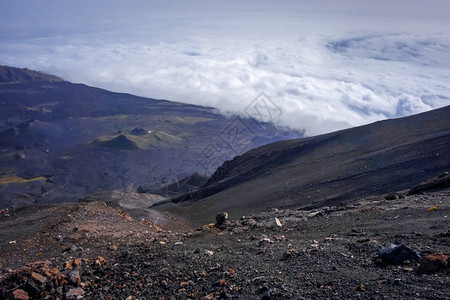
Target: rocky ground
x=94, y=251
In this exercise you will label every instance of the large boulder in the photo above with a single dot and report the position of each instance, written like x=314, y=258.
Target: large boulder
x=397, y=254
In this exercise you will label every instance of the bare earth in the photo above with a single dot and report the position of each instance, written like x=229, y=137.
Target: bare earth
x=315, y=254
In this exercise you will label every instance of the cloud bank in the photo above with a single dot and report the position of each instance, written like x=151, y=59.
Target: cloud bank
x=326, y=66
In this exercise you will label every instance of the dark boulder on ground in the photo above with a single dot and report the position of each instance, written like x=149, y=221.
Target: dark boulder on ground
x=433, y=263
x=221, y=219
x=397, y=254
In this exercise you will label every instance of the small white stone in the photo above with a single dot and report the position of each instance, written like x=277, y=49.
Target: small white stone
x=278, y=222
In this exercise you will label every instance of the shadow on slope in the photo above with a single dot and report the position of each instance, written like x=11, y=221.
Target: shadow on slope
x=329, y=169
x=186, y=185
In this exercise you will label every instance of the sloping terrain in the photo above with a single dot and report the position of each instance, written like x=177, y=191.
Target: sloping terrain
x=90, y=250
x=60, y=141
x=325, y=170
x=25, y=75
x=308, y=218
x=183, y=186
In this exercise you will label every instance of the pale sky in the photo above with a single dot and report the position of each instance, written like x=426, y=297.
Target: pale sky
x=327, y=65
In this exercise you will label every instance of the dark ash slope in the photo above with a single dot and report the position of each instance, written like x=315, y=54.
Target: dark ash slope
x=328, y=169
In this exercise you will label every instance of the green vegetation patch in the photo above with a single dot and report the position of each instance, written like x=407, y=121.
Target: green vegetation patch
x=157, y=138
x=17, y=179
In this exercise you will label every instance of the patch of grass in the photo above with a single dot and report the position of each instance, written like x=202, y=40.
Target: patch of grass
x=155, y=138
x=16, y=179
x=432, y=208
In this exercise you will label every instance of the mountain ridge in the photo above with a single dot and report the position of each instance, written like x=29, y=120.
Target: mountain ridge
x=329, y=169
x=79, y=138
x=14, y=75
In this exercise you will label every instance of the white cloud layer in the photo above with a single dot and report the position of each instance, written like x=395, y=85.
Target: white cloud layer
x=327, y=66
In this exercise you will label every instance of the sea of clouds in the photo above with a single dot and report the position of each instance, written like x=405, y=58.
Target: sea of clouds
x=327, y=66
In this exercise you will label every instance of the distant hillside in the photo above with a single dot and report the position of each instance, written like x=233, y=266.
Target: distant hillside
x=60, y=141
x=329, y=169
x=120, y=142
x=10, y=74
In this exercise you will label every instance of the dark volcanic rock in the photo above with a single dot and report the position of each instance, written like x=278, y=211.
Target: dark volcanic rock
x=36, y=283
x=221, y=218
x=397, y=253
x=433, y=263
x=391, y=196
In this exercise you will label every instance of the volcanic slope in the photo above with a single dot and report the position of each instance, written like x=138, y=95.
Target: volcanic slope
x=325, y=170
x=60, y=141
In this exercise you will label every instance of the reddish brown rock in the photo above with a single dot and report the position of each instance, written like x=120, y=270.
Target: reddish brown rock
x=76, y=262
x=100, y=260
x=20, y=294
x=77, y=293
x=38, y=277
x=53, y=274
x=433, y=263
